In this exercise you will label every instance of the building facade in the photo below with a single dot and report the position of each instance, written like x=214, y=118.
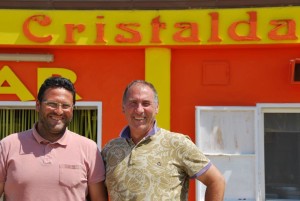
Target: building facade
x=227, y=74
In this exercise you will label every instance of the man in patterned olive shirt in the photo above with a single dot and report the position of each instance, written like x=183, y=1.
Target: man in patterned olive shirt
x=150, y=163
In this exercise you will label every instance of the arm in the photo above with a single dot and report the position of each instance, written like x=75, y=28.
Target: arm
x=1, y=188
x=215, y=184
x=98, y=192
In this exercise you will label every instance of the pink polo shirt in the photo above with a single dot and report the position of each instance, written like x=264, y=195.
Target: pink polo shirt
x=34, y=169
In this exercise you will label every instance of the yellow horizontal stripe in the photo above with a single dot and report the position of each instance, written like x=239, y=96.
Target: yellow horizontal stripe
x=152, y=27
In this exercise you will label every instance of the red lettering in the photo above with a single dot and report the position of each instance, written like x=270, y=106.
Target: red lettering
x=70, y=28
x=214, y=36
x=156, y=26
x=289, y=25
x=186, y=26
x=252, y=23
x=136, y=36
x=185, y=32
x=100, y=31
x=42, y=20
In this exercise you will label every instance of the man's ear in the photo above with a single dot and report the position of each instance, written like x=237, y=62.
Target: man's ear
x=157, y=109
x=123, y=110
x=37, y=105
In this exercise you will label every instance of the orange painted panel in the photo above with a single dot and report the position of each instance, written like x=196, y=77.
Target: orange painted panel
x=102, y=75
x=257, y=75
x=233, y=76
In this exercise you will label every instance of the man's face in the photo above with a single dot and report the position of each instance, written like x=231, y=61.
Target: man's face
x=140, y=109
x=55, y=112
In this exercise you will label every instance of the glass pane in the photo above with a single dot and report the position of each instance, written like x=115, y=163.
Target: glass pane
x=282, y=156
x=84, y=122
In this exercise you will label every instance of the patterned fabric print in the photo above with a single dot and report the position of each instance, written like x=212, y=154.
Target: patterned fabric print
x=157, y=168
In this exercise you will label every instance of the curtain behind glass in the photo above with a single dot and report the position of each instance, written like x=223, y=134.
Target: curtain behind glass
x=14, y=120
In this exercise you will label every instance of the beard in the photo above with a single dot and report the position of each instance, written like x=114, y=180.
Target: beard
x=52, y=125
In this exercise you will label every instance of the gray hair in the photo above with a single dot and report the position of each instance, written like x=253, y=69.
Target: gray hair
x=142, y=82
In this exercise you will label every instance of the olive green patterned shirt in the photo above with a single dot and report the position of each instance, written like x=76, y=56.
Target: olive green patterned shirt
x=157, y=168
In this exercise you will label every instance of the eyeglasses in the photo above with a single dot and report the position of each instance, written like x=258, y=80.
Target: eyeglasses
x=55, y=105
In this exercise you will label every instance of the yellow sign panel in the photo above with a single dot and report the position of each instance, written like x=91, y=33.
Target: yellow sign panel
x=150, y=27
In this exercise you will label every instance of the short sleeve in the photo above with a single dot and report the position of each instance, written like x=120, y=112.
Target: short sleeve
x=192, y=159
x=96, y=169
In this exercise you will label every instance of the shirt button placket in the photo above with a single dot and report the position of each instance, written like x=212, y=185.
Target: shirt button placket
x=48, y=156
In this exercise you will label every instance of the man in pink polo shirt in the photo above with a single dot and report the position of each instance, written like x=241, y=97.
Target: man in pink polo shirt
x=49, y=162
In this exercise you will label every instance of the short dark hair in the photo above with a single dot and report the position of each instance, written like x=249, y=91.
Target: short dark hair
x=142, y=82
x=56, y=82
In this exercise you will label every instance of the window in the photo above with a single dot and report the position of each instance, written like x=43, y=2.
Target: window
x=280, y=139
x=256, y=148
x=19, y=116
x=227, y=136
x=295, y=71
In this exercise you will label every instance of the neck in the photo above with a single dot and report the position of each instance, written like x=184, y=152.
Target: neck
x=51, y=137
x=137, y=139
x=138, y=135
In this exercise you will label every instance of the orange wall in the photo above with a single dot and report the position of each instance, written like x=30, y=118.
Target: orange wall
x=255, y=74
x=102, y=75
x=203, y=75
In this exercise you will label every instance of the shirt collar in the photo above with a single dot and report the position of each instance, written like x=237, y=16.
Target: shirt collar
x=41, y=140
x=125, y=133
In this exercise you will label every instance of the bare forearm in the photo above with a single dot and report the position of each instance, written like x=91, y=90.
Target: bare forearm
x=215, y=184
x=215, y=191
x=98, y=192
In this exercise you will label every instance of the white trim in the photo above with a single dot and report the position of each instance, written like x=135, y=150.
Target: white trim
x=17, y=105
x=26, y=57
x=279, y=107
x=79, y=104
